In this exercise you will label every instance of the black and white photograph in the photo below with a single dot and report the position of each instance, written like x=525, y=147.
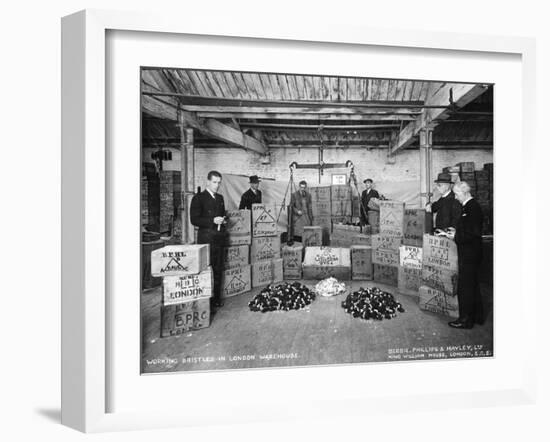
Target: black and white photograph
x=293, y=220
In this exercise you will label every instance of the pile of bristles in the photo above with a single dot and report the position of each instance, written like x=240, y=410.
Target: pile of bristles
x=372, y=303
x=285, y=296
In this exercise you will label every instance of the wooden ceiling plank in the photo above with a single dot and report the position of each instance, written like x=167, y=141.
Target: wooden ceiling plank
x=304, y=109
x=197, y=82
x=266, y=85
x=291, y=86
x=275, y=87
x=226, y=90
x=213, y=83
x=187, y=84
x=242, y=88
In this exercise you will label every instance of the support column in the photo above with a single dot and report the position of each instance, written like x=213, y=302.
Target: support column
x=190, y=189
x=426, y=140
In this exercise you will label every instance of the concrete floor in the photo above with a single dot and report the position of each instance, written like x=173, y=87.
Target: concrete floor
x=319, y=335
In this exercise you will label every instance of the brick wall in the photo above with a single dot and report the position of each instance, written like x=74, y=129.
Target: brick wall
x=372, y=164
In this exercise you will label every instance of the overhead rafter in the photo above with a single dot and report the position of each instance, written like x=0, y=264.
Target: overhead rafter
x=462, y=94
x=167, y=109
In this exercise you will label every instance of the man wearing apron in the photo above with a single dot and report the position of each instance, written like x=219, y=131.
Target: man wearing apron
x=302, y=214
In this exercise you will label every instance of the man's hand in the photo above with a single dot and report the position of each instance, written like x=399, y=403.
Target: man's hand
x=300, y=212
x=429, y=207
x=219, y=220
x=451, y=231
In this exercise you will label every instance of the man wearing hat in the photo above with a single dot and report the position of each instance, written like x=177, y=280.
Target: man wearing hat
x=446, y=208
x=366, y=196
x=252, y=195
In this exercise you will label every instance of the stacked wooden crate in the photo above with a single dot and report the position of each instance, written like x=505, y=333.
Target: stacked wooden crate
x=150, y=199
x=439, y=276
x=340, y=204
x=322, y=210
x=312, y=236
x=344, y=235
x=236, y=278
x=186, y=287
x=292, y=260
x=265, y=252
x=170, y=198
x=416, y=223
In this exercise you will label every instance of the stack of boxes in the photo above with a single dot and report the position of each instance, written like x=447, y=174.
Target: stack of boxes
x=186, y=287
x=481, y=187
x=439, y=276
x=150, y=202
x=416, y=222
x=292, y=260
x=385, y=245
x=170, y=198
x=312, y=236
x=236, y=278
x=321, y=208
x=345, y=235
x=265, y=252
x=340, y=204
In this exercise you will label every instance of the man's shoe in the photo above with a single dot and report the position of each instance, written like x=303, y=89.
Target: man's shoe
x=218, y=304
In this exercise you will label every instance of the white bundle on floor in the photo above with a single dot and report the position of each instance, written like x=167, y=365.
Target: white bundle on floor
x=330, y=287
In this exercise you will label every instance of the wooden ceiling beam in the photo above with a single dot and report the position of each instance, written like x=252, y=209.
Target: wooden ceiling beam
x=309, y=117
x=301, y=110
x=161, y=108
x=462, y=95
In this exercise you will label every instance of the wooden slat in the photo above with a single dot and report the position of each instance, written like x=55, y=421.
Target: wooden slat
x=283, y=86
x=317, y=92
x=249, y=79
x=197, y=82
x=392, y=88
x=300, y=87
x=221, y=81
x=384, y=85
x=212, y=81
x=291, y=87
x=186, y=82
x=266, y=85
x=242, y=87
x=275, y=87
x=310, y=93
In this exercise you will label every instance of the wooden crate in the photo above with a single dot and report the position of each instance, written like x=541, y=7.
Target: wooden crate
x=361, y=263
x=267, y=272
x=321, y=208
x=178, y=289
x=236, y=256
x=392, y=215
x=439, y=252
x=340, y=208
x=322, y=262
x=185, y=259
x=340, y=193
x=180, y=318
x=320, y=193
x=436, y=301
x=385, y=274
x=416, y=222
x=409, y=280
x=384, y=242
x=236, y=281
x=265, y=247
x=292, y=260
x=440, y=279
x=312, y=236
x=264, y=220
x=362, y=239
x=147, y=280
x=239, y=227
x=410, y=257
x=467, y=166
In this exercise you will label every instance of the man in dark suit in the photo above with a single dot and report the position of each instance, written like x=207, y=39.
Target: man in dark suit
x=302, y=212
x=207, y=212
x=366, y=196
x=252, y=195
x=467, y=237
x=446, y=208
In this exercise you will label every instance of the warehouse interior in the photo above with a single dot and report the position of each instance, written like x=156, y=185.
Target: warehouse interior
x=286, y=128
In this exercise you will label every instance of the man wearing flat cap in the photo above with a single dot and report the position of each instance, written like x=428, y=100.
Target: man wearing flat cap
x=366, y=196
x=447, y=209
x=252, y=195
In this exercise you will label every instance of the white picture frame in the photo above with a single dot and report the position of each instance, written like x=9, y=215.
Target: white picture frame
x=85, y=218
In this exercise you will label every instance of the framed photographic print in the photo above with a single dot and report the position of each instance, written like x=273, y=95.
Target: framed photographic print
x=258, y=213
